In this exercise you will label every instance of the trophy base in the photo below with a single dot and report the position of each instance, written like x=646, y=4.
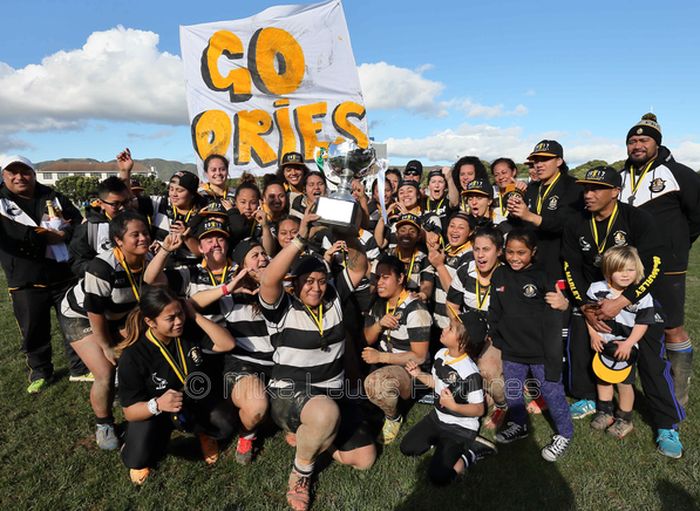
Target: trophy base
x=343, y=216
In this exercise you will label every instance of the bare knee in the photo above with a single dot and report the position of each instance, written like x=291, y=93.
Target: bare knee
x=676, y=334
x=321, y=414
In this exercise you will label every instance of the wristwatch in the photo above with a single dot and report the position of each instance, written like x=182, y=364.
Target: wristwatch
x=153, y=407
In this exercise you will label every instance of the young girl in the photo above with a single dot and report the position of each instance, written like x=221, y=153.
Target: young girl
x=520, y=325
x=452, y=426
x=164, y=373
x=471, y=290
x=621, y=268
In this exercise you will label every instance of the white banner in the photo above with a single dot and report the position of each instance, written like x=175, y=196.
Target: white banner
x=282, y=80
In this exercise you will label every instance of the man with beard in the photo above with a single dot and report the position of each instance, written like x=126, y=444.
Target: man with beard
x=653, y=181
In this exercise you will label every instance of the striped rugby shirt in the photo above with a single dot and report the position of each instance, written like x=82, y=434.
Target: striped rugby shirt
x=302, y=357
x=163, y=215
x=417, y=272
x=463, y=289
x=639, y=313
x=104, y=289
x=414, y=324
x=245, y=321
x=452, y=263
x=190, y=280
x=461, y=376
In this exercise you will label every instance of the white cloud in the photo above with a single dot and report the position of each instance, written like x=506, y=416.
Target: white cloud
x=387, y=87
x=472, y=109
x=687, y=153
x=119, y=74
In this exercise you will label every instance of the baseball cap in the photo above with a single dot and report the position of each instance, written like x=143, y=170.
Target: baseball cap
x=135, y=185
x=292, y=159
x=602, y=176
x=608, y=368
x=479, y=187
x=211, y=225
x=187, y=180
x=413, y=167
x=213, y=209
x=242, y=250
x=435, y=172
x=408, y=182
x=9, y=160
x=548, y=148
x=408, y=218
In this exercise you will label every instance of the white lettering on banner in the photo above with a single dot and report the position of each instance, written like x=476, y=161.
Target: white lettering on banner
x=280, y=81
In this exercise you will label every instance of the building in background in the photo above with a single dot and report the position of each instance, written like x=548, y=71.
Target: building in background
x=50, y=172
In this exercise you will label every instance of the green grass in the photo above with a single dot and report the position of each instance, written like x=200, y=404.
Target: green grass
x=49, y=461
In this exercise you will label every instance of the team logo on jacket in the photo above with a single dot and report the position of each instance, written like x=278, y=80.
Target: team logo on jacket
x=160, y=383
x=529, y=290
x=553, y=203
x=657, y=185
x=195, y=356
x=12, y=209
x=451, y=378
x=585, y=246
x=620, y=238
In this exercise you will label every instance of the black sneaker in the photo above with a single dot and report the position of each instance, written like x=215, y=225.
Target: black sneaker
x=481, y=448
x=556, y=448
x=511, y=433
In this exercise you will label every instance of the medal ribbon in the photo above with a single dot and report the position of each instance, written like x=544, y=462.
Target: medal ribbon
x=399, y=301
x=318, y=320
x=180, y=371
x=176, y=213
x=541, y=197
x=211, y=274
x=213, y=193
x=453, y=251
x=600, y=246
x=437, y=207
x=119, y=255
x=634, y=183
x=480, y=301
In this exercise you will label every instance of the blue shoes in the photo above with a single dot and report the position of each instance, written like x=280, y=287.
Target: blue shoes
x=582, y=408
x=669, y=443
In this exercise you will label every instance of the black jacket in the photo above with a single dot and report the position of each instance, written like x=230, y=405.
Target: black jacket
x=634, y=227
x=669, y=191
x=561, y=204
x=83, y=247
x=521, y=324
x=22, y=249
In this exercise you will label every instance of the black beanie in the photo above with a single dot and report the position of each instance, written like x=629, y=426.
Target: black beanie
x=647, y=126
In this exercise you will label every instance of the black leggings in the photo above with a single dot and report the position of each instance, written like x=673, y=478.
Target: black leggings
x=448, y=446
x=147, y=441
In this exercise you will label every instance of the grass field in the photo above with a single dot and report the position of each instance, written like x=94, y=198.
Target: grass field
x=49, y=460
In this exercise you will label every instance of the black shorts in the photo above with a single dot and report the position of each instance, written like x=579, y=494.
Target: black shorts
x=76, y=329
x=670, y=293
x=286, y=406
x=235, y=369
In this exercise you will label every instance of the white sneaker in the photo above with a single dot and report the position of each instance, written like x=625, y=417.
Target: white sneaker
x=106, y=437
x=556, y=448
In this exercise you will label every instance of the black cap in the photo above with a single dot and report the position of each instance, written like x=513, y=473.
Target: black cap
x=292, y=159
x=135, y=185
x=602, y=176
x=213, y=209
x=436, y=172
x=408, y=182
x=408, y=218
x=548, y=148
x=308, y=264
x=242, y=250
x=187, y=180
x=213, y=224
x=413, y=167
x=479, y=187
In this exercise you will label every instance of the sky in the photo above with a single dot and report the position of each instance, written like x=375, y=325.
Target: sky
x=440, y=79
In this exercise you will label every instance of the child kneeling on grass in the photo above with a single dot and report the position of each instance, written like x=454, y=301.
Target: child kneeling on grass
x=621, y=268
x=528, y=333
x=452, y=426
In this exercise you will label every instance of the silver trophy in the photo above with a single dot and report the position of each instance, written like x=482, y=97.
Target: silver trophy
x=341, y=163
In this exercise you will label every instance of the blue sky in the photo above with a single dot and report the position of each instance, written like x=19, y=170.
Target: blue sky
x=476, y=78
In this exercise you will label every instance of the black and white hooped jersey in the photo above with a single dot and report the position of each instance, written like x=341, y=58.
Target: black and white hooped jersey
x=209, y=196
x=245, y=321
x=452, y=264
x=165, y=214
x=191, y=279
x=414, y=323
x=463, y=289
x=106, y=288
x=639, y=313
x=307, y=353
x=462, y=377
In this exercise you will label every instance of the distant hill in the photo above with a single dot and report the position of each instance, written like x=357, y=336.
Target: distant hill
x=164, y=168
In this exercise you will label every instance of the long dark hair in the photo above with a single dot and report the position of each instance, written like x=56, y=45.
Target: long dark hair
x=153, y=300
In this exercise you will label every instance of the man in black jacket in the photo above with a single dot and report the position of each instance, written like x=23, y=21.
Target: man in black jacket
x=653, y=181
x=609, y=223
x=37, y=281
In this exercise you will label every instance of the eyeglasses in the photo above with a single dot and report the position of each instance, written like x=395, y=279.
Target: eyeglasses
x=117, y=204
